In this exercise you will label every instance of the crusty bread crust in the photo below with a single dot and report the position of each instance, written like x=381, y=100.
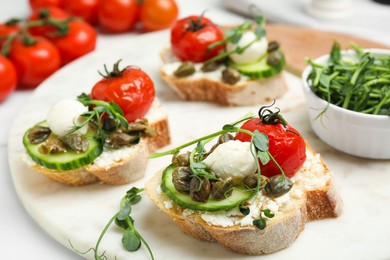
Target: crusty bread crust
x=127, y=169
x=251, y=92
x=281, y=232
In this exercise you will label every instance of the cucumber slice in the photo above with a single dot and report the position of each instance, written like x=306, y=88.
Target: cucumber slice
x=238, y=196
x=69, y=160
x=259, y=69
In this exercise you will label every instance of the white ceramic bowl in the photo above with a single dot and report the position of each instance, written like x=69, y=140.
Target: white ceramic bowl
x=351, y=132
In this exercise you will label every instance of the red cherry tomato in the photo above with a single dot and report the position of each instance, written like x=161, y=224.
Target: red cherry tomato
x=34, y=63
x=5, y=31
x=191, y=37
x=286, y=145
x=80, y=40
x=46, y=30
x=86, y=9
x=8, y=78
x=116, y=16
x=37, y=4
x=158, y=14
x=132, y=90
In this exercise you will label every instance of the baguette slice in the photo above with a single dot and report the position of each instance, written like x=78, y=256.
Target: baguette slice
x=198, y=87
x=119, y=166
x=312, y=197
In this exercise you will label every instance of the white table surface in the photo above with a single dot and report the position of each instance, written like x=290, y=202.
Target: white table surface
x=20, y=236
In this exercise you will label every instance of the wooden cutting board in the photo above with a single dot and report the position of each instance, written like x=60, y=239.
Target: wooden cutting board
x=299, y=43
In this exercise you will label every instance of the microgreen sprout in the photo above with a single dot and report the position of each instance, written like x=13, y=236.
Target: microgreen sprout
x=95, y=115
x=131, y=238
x=360, y=83
x=234, y=35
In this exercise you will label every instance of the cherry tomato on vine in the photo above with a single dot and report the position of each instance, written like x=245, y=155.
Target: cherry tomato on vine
x=46, y=30
x=286, y=145
x=8, y=78
x=80, y=39
x=35, y=62
x=130, y=88
x=116, y=16
x=191, y=37
x=158, y=14
x=37, y=4
x=86, y=9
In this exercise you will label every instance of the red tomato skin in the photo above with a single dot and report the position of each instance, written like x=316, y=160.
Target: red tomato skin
x=37, y=4
x=158, y=14
x=46, y=31
x=133, y=92
x=80, y=40
x=5, y=31
x=116, y=16
x=86, y=9
x=287, y=147
x=8, y=78
x=192, y=46
x=34, y=63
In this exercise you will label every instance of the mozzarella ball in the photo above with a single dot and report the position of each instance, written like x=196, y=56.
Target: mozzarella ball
x=64, y=115
x=231, y=159
x=251, y=54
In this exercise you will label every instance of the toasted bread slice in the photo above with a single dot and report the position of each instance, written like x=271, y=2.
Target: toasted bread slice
x=312, y=197
x=119, y=166
x=209, y=87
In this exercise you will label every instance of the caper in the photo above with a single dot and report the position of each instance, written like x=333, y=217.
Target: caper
x=277, y=186
x=76, y=142
x=209, y=67
x=250, y=181
x=138, y=125
x=118, y=139
x=109, y=124
x=274, y=58
x=52, y=145
x=222, y=189
x=181, y=178
x=38, y=134
x=185, y=69
x=181, y=159
x=225, y=138
x=272, y=46
x=200, y=189
x=230, y=76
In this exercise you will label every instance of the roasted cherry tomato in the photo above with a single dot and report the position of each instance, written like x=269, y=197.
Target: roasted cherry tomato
x=8, y=78
x=191, y=37
x=6, y=30
x=37, y=4
x=116, y=16
x=286, y=145
x=35, y=61
x=86, y=9
x=46, y=13
x=80, y=39
x=158, y=14
x=130, y=88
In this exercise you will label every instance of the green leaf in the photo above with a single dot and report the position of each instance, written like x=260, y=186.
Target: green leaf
x=131, y=242
x=259, y=223
x=125, y=211
x=199, y=165
x=260, y=32
x=228, y=127
x=115, y=107
x=244, y=210
x=268, y=213
x=264, y=157
x=260, y=140
x=236, y=37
